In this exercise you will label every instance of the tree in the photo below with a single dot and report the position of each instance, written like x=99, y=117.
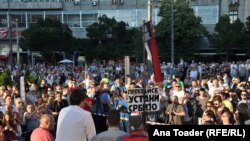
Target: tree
x=110, y=39
x=187, y=28
x=5, y=78
x=247, y=37
x=229, y=36
x=47, y=36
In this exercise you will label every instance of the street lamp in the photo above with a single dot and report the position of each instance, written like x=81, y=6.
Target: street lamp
x=172, y=31
x=10, y=35
x=17, y=43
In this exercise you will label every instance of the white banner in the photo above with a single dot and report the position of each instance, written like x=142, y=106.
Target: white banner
x=143, y=100
x=22, y=88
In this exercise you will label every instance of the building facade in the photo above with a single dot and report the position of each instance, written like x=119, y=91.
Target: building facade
x=79, y=14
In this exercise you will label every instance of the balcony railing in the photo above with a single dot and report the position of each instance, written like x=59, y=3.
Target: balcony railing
x=30, y=5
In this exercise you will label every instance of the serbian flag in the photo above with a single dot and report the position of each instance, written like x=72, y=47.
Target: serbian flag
x=151, y=48
x=3, y=32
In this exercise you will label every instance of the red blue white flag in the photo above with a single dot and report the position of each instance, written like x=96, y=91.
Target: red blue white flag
x=151, y=48
x=3, y=32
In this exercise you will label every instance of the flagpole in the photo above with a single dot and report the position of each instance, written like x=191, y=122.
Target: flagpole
x=10, y=36
x=144, y=46
x=17, y=43
x=149, y=10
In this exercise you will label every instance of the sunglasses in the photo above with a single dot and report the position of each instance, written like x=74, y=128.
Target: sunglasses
x=243, y=94
x=177, y=86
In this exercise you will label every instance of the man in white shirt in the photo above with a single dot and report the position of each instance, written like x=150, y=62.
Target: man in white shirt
x=193, y=74
x=247, y=66
x=74, y=123
x=177, y=91
x=233, y=70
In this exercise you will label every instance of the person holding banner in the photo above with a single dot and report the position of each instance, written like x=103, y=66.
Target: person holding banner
x=175, y=112
x=120, y=104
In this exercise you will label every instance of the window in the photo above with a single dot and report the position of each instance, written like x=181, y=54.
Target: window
x=233, y=10
x=234, y=1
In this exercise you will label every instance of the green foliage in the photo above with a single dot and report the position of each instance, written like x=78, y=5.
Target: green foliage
x=5, y=78
x=247, y=36
x=248, y=23
x=187, y=28
x=110, y=39
x=47, y=36
x=229, y=36
x=30, y=77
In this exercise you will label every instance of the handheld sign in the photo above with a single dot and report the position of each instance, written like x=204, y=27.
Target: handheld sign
x=22, y=88
x=143, y=100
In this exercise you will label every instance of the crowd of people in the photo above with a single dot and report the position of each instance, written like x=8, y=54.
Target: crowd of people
x=73, y=103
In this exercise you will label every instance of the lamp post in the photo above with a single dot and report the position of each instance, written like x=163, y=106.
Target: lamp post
x=17, y=43
x=172, y=32
x=10, y=35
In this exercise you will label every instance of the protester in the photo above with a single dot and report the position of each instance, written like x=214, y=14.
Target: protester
x=113, y=131
x=241, y=114
x=31, y=120
x=227, y=118
x=47, y=91
x=74, y=123
x=101, y=107
x=9, y=127
x=202, y=98
x=244, y=99
x=120, y=104
x=175, y=112
x=43, y=132
x=137, y=130
x=208, y=118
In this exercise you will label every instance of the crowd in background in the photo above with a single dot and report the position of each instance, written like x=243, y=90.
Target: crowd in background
x=195, y=93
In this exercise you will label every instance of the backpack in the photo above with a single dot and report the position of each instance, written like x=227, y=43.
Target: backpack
x=100, y=103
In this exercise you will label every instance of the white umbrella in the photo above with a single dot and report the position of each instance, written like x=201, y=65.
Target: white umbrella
x=65, y=61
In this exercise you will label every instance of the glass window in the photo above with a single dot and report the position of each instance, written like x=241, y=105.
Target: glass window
x=72, y=19
x=128, y=16
x=109, y=13
x=3, y=20
x=88, y=19
x=233, y=10
x=141, y=16
x=54, y=15
x=33, y=17
x=20, y=18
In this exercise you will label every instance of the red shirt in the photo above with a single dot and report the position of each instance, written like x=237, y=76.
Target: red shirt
x=135, y=136
x=40, y=134
x=89, y=101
